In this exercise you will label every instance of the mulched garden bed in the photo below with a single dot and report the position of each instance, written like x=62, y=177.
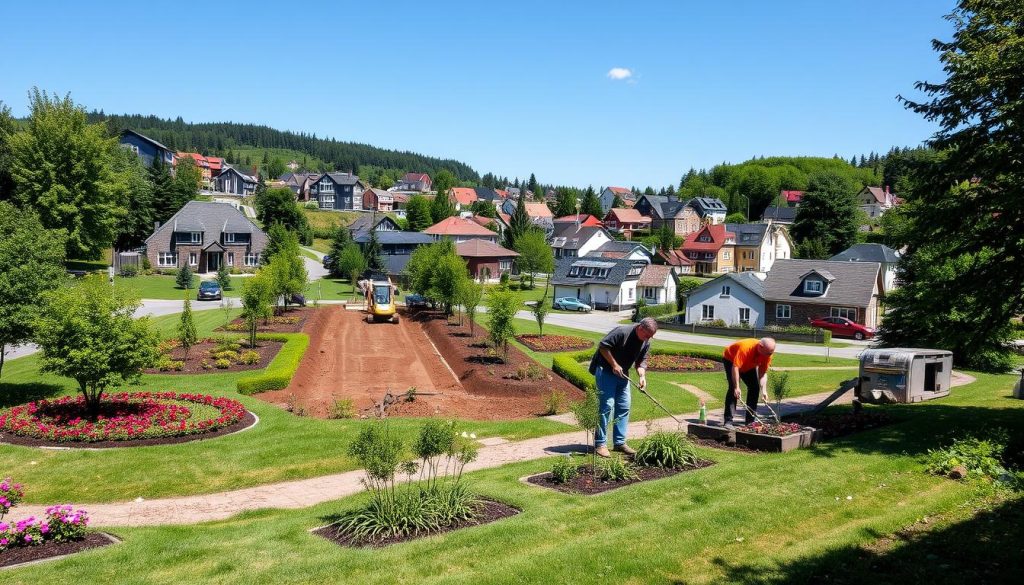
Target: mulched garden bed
x=201, y=359
x=27, y=554
x=833, y=425
x=681, y=363
x=586, y=484
x=290, y=321
x=489, y=511
x=555, y=343
x=248, y=419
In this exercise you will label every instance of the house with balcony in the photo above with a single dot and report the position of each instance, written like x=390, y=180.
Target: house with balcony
x=626, y=221
x=378, y=200
x=711, y=249
x=414, y=182
x=205, y=236
x=875, y=201
x=338, y=192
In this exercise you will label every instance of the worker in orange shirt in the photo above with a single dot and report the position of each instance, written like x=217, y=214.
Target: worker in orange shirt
x=747, y=359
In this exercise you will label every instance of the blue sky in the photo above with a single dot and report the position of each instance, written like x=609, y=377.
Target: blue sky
x=511, y=88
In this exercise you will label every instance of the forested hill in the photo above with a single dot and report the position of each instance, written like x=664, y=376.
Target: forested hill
x=225, y=138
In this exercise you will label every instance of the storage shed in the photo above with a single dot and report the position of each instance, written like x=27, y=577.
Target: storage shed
x=904, y=374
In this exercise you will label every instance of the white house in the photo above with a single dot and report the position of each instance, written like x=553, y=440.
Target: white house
x=569, y=240
x=657, y=284
x=602, y=283
x=607, y=197
x=875, y=202
x=735, y=297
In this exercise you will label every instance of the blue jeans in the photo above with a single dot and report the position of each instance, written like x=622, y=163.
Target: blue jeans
x=612, y=395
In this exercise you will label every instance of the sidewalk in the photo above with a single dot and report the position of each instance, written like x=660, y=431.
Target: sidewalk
x=313, y=491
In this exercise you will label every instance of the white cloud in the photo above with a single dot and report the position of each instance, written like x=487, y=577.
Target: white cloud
x=619, y=73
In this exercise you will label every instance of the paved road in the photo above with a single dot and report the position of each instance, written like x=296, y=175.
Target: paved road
x=602, y=322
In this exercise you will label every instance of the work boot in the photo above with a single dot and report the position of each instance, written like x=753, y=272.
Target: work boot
x=602, y=451
x=625, y=449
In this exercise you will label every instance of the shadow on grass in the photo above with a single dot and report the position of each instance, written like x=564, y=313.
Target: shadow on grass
x=13, y=394
x=985, y=548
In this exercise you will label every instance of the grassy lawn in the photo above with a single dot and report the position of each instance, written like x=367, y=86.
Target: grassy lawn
x=309, y=255
x=285, y=154
x=321, y=245
x=786, y=518
x=160, y=286
x=328, y=220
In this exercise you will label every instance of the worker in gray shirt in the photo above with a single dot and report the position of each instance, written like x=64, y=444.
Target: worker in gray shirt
x=620, y=350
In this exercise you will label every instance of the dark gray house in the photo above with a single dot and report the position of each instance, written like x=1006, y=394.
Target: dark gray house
x=146, y=148
x=205, y=235
x=880, y=253
x=338, y=191
x=234, y=181
x=377, y=221
x=396, y=246
x=780, y=215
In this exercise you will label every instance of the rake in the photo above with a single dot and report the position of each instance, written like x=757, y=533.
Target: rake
x=654, y=400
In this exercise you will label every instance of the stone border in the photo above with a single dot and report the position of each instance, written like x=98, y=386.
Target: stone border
x=110, y=537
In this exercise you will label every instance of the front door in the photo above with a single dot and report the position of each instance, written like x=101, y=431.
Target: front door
x=213, y=261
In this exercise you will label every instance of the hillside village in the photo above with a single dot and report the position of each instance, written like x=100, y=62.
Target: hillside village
x=232, y=353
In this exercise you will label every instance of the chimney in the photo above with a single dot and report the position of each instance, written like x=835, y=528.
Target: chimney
x=156, y=225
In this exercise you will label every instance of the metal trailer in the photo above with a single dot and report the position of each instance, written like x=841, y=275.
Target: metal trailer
x=904, y=375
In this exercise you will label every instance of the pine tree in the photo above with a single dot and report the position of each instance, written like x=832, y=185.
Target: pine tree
x=534, y=187
x=518, y=224
x=441, y=207
x=591, y=204
x=187, y=335
x=338, y=242
x=372, y=253
x=184, y=278
x=828, y=213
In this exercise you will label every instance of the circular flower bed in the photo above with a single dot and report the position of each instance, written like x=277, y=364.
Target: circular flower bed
x=125, y=416
x=681, y=363
x=554, y=342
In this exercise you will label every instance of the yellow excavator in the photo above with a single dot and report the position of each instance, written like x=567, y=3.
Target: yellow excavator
x=380, y=299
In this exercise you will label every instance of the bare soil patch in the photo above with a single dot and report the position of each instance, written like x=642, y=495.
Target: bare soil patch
x=489, y=511
x=290, y=321
x=554, y=342
x=48, y=550
x=585, y=483
x=201, y=358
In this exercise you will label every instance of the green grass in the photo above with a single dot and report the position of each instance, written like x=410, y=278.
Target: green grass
x=285, y=154
x=160, y=286
x=782, y=518
x=321, y=245
x=309, y=255
x=325, y=220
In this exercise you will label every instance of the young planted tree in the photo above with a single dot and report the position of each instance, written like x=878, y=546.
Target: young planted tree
x=185, y=277
x=223, y=277
x=339, y=240
x=187, y=334
x=587, y=416
x=350, y=261
x=87, y=331
x=470, y=297
x=287, y=274
x=540, y=311
x=257, y=297
x=61, y=166
x=502, y=305
x=778, y=382
x=534, y=254
x=31, y=262
x=447, y=281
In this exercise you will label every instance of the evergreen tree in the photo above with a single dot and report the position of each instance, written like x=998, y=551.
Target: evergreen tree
x=828, y=213
x=165, y=203
x=962, y=273
x=566, y=204
x=418, y=213
x=338, y=243
x=591, y=204
x=441, y=207
x=518, y=224
x=534, y=187
x=138, y=222
x=372, y=253
x=185, y=277
x=223, y=277
x=187, y=334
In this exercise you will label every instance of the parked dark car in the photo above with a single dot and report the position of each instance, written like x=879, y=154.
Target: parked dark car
x=843, y=327
x=297, y=299
x=415, y=301
x=327, y=262
x=209, y=290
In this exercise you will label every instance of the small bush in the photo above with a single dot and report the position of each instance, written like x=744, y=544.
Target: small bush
x=568, y=366
x=249, y=358
x=528, y=372
x=206, y=365
x=129, y=270
x=554, y=403
x=222, y=364
x=667, y=450
x=978, y=458
x=228, y=355
x=615, y=468
x=564, y=470
x=343, y=408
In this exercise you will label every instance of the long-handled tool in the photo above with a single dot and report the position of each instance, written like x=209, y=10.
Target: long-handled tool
x=752, y=412
x=654, y=400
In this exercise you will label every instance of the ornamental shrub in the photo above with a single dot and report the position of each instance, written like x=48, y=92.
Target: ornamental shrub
x=249, y=357
x=279, y=373
x=564, y=470
x=615, y=468
x=222, y=364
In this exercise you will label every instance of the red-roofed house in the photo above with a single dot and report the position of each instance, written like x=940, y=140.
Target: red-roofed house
x=460, y=229
x=414, y=182
x=657, y=284
x=216, y=165
x=486, y=260
x=585, y=220
x=710, y=249
x=790, y=198
x=462, y=197
x=875, y=201
x=626, y=221
x=201, y=162
x=677, y=260
x=607, y=197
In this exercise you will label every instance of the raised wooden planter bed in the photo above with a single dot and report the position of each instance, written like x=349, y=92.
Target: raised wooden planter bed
x=711, y=432
x=778, y=444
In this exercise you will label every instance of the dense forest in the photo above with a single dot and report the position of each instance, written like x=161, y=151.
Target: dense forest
x=226, y=138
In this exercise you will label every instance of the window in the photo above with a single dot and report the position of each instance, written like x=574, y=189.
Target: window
x=726, y=291
x=727, y=255
x=252, y=259
x=812, y=286
x=327, y=202
x=326, y=186
x=574, y=271
x=630, y=294
x=231, y=258
x=844, y=312
x=505, y=265
x=602, y=273
x=650, y=292
x=783, y=311
x=704, y=238
x=745, y=315
x=707, y=312
x=589, y=272
x=167, y=259
x=229, y=238
x=197, y=237
x=636, y=270
x=193, y=259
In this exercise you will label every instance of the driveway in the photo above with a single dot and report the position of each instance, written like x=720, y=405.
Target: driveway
x=603, y=321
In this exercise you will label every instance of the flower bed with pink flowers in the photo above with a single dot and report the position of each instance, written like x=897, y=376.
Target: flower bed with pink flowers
x=125, y=416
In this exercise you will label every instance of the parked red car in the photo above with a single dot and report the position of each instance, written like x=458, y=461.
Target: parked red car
x=841, y=326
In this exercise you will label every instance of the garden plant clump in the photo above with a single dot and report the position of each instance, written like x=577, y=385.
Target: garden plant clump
x=125, y=416
x=62, y=524
x=992, y=459
x=432, y=498
x=554, y=342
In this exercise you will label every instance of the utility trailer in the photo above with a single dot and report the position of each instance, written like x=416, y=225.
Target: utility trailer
x=904, y=375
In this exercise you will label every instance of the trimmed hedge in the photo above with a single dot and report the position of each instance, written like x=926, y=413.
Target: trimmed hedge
x=657, y=310
x=568, y=366
x=280, y=371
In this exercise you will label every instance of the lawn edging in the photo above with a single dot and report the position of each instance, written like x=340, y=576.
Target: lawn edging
x=568, y=366
x=279, y=373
